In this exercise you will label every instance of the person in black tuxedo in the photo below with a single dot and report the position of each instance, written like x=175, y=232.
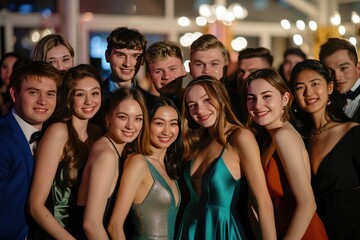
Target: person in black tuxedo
x=340, y=56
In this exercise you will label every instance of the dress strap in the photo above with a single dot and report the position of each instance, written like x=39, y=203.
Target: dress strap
x=227, y=141
x=113, y=144
x=221, y=153
x=149, y=164
x=230, y=135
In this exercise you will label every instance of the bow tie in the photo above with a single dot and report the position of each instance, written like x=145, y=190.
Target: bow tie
x=35, y=137
x=353, y=94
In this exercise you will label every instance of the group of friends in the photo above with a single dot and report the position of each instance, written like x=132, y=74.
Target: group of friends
x=256, y=154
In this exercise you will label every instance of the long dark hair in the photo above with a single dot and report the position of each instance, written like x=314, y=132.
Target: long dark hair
x=173, y=156
x=334, y=110
x=75, y=151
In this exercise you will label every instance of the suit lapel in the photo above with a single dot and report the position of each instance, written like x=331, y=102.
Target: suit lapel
x=24, y=148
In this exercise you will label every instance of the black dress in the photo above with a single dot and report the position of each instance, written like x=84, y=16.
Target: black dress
x=336, y=187
x=77, y=212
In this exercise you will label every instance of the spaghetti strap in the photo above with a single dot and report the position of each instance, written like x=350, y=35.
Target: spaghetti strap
x=221, y=153
x=112, y=143
x=230, y=135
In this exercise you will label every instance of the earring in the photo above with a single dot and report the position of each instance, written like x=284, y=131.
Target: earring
x=329, y=101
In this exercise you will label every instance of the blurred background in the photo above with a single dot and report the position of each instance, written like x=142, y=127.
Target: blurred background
x=274, y=24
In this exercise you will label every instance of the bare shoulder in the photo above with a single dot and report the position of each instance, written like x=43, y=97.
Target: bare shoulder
x=350, y=125
x=57, y=131
x=242, y=133
x=136, y=161
x=101, y=152
x=338, y=130
x=242, y=137
x=287, y=133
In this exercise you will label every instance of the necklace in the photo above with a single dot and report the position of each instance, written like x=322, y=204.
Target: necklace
x=317, y=132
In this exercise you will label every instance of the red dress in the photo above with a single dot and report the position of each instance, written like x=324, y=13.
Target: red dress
x=284, y=202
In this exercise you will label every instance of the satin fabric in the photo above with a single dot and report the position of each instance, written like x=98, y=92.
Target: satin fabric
x=62, y=198
x=213, y=215
x=284, y=202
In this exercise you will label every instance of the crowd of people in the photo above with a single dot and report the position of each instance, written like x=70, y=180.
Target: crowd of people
x=256, y=154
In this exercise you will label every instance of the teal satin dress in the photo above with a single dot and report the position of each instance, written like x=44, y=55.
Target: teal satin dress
x=190, y=215
x=213, y=215
x=155, y=217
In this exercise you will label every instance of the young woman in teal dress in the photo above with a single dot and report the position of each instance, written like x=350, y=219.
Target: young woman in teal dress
x=126, y=120
x=221, y=152
x=148, y=188
x=63, y=151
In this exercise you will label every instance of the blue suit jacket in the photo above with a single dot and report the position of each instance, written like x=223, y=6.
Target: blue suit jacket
x=16, y=169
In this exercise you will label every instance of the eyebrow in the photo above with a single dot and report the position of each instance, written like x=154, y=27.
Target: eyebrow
x=121, y=112
x=80, y=89
x=162, y=68
x=67, y=55
x=312, y=80
x=343, y=64
x=164, y=120
x=39, y=90
x=262, y=93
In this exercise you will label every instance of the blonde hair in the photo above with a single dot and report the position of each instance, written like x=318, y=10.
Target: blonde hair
x=48, y=42
x=206, y=42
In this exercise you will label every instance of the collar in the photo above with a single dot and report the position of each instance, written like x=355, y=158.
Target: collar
x=113, y=86
x=356, y=85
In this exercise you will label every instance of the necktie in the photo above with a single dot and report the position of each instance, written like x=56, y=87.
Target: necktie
x=353, y=94
x=34, y=140
x=35, y=137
